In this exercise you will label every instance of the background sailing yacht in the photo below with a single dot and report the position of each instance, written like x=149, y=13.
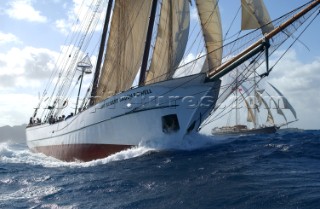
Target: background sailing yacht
x=253, y=110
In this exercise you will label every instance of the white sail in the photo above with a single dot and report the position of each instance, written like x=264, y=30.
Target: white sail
x=172, y=38
x=269, y=116
x=125, y=46
x=212, y=31
x=279, y=110
x=286, y=103
x=255, y=15
x=250, y=117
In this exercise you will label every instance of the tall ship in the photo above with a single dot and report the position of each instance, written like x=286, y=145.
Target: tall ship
x=144, y=88
x=257, y=108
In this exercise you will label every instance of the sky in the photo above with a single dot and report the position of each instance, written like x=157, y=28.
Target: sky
x=32, y=33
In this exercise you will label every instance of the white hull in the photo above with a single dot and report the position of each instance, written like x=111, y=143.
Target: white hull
x=127, y=119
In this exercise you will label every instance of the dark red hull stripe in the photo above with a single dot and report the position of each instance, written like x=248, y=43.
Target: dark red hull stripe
x=82, y=152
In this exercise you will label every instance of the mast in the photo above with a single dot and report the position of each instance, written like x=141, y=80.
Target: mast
x=85, y=66
x=144, y=64
x=257, y=47
x=237, y=102
x=255, y=101
x=82, y=74
x=101, y=52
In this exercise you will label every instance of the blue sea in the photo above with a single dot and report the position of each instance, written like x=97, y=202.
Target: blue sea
x=280, y=170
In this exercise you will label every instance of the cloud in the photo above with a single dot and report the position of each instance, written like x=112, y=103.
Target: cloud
x=188, y=67
x=299, y=82
x=6, y=38
x=7, y=80
x=16, y=108
x=23, y=10
x=26, y=67
x=79, y=14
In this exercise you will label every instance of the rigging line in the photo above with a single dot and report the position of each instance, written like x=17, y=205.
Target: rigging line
x=69, y=48
x=206, y=25
x=228, y=44
x=126, y=38
x=155, y=41
x=77, y=36
x=245, y=76
x=218, y=106
x=217, y=118
x=233, y=21
x=188, y=51
x=63, y=84
x=302, y=32
x=85, y=49
x=65, y=43
x=54, y=73
x=205, y=123
x=67, y=82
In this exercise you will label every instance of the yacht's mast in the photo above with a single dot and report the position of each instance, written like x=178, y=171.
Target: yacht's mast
x=145, y=58
x=255, y=101
x=237, y=102
x=101, y=52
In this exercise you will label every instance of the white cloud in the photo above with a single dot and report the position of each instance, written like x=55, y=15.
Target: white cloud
x=300, y=84
x=6, y=38
x=25, y=67
x=23, y=74
x=79, y=14
x=23, y=10
x=16, y=108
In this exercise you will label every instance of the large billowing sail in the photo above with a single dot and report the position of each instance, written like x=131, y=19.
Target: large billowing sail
x=255, y=15
x=172, y=38
x=286, y=103
x=212, y=31
x=125, y=46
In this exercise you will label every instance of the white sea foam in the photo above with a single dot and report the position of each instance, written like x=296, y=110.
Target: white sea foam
x=19, y=153
x=16, y=153
x=30, y=192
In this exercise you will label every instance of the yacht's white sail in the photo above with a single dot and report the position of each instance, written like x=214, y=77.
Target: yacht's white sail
x=210, y=19
x=270, y=118
x=277, y=106
x=255, y=15
x=172, y=38
x=286, y=103
x=125, y=46
x=250, y=115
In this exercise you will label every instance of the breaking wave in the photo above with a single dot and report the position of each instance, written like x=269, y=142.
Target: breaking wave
x=11, y=152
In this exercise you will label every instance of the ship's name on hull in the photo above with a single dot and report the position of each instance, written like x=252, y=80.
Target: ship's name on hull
x=126, y=97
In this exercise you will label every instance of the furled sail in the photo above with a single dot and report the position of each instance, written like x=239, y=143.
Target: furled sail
x=212, y=31
x=255, y=15
x=125, y=46
x=172, y=38
x=286, y=103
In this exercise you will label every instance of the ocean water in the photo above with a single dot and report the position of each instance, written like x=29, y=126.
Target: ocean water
x=280, y=170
